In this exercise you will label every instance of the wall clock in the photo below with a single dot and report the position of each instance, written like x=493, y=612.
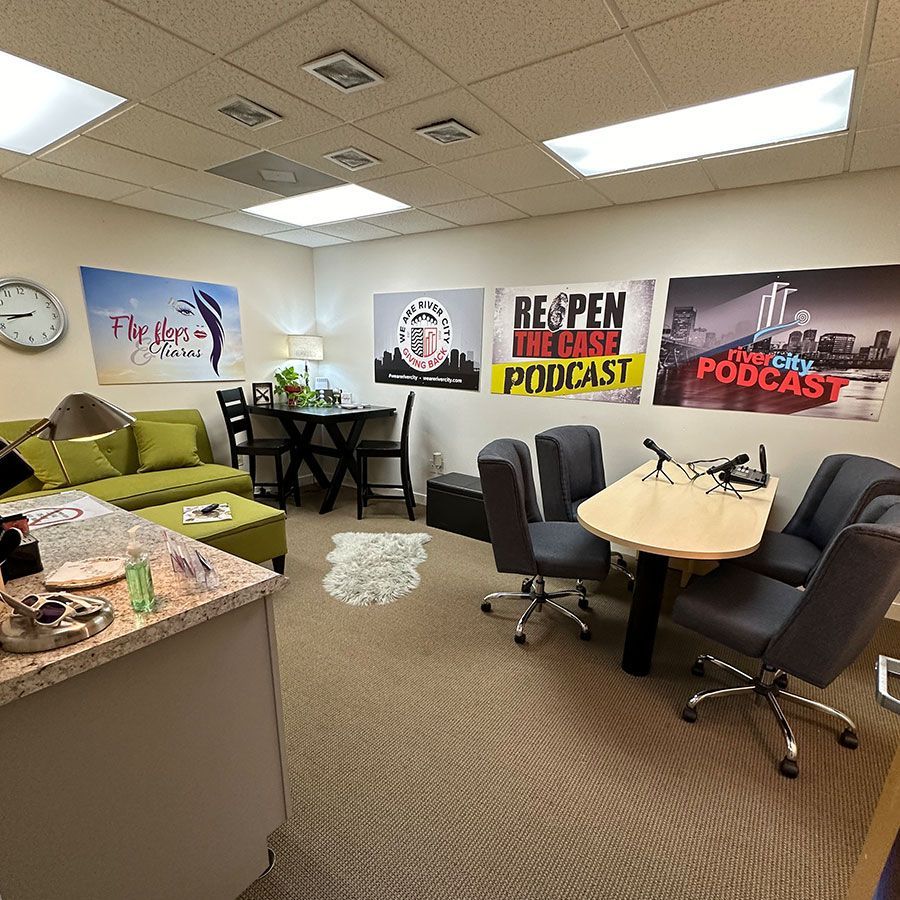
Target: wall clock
x=31, y=318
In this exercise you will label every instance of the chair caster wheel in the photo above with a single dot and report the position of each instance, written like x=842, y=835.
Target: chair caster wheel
x=698, y=669
x=585, y=635
x=789, y=768
x=485, y=607
x=848, y=739
x=689, y=714
x=583, y=603
x=781, y=682
x=519, y=638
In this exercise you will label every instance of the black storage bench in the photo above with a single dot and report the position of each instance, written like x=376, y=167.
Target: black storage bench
x=455, y=503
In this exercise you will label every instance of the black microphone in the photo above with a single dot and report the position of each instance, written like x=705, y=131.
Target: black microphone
x=740, y=460
x=650, y=444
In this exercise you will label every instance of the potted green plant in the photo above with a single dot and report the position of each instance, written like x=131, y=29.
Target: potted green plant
x=287, y=382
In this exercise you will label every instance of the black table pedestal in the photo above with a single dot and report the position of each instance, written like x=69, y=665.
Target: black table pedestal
x=649, y=582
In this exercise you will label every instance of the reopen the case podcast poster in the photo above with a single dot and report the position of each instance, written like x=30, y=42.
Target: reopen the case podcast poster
x=579, y=341
x=815, y=342
x=146, y=329
x=429, y=338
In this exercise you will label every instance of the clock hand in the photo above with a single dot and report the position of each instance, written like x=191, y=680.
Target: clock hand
x=16, y=315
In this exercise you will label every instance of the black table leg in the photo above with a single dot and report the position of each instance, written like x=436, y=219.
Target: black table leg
x=346, y=447
x=649, y=581
x=302, y=453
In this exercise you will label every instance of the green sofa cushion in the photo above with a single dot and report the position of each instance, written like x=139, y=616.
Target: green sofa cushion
x=165, y=445
x=255, y=533
x=84, y=461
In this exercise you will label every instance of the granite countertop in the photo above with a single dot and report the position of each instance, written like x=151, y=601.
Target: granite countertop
x=178, y=607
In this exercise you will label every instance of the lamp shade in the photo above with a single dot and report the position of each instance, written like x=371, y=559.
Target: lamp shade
x=84, y=416
x=305, y=346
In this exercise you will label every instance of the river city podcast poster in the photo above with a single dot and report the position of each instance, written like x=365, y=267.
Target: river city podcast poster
x=579, y=341
x=814, y=342
x=146, y=329
x=429, y=338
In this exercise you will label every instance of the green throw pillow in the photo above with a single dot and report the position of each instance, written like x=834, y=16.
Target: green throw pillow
x=165, y=445
x=84, y=461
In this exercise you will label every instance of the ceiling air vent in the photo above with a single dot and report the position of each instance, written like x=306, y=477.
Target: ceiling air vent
x=449, y=132
x=344, y=72
x=352, y=159
x=248, y=113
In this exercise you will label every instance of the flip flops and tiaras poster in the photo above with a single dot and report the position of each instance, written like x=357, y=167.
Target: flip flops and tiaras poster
x=147, y=329
x=813, y=342
x=579, y=341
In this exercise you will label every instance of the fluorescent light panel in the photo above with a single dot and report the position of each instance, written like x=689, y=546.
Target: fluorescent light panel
x=39, y=106
x=336, y=204
x=791, y=112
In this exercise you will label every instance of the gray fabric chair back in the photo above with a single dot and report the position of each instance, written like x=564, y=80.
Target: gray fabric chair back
x=510, y=503
x=841, y=489
x=846, y=599
x=570, y=462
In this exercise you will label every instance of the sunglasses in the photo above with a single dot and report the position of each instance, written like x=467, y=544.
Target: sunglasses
x=49, y=610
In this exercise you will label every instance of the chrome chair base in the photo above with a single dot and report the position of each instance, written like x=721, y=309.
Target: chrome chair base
x=533, y=591
x=771, y=684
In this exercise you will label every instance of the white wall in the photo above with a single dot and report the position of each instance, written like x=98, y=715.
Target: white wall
x=843, y=221
x=46, y=235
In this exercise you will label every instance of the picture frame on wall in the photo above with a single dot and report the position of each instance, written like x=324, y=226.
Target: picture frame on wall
x=263, y=393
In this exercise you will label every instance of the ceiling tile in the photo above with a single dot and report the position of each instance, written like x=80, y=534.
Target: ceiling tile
x=355, y=231
x=642, y=12
x=310, y=151
x=217, y=25
x=399, y=127
x=555, y=198
x=477, y=211
x=220, y=191
x=45, y=174
x=881, y=96
x=114, y=162
x=886, y=38
x=424, y=187
x=653, y=184
x=170, y=205
x=241, y=221
x=875, y=149
x=197, y=97
x=747, y=45
x=410, y=221
x=9, y=160
x=340, y=25
x=146, y=130
x=809, y=159
x=97, y=43
x=472, y=39
x=509, y=170
x=598, y=85
x=307, y=238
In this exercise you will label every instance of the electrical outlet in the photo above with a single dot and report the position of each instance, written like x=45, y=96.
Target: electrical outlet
x=437, y=461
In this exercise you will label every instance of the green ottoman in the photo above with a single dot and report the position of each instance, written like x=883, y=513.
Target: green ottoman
x=255, y=533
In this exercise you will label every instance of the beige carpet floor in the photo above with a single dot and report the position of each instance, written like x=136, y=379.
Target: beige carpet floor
x=431, y=758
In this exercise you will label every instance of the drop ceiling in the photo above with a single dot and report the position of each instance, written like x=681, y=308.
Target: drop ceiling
x=516, y=73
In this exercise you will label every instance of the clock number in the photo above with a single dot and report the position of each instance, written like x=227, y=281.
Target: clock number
x=15, y=334
x=48, y=304
x=6, y=292
x=52, y=327
x=20, y=290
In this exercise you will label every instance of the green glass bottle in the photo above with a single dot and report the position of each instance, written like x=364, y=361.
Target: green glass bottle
x=137, y=575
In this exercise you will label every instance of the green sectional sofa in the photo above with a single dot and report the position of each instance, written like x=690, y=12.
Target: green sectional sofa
x=138, y=490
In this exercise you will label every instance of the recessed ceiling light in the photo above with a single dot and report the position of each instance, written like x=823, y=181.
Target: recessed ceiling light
x=39, y=106
x=336, y=204
x=248, y=113
x=344, y=72
x=777, y=115
x=277, y=176
x=352, y=159
x=448, y=132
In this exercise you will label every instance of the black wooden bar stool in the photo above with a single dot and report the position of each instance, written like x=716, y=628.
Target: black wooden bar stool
x=367, y=450
x=237, y=423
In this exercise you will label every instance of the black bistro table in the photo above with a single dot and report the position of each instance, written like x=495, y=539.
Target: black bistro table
x=305, y=451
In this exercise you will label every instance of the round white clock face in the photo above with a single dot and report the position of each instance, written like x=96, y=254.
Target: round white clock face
x=30, y=316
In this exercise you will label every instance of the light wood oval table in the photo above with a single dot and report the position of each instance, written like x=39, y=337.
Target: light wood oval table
x=662, y=520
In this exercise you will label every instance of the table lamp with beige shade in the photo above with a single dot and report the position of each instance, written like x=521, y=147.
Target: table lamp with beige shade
x=305, y=347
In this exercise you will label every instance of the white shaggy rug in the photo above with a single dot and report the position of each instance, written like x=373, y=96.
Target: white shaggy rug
x=374, y=568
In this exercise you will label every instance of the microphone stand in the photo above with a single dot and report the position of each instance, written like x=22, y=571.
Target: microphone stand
x=725, y=484
x=659, y=470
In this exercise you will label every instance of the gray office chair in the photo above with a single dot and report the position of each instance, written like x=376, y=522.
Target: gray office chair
x=813, y=634
x=524, y=544
x=841, y=489
x=570, y=464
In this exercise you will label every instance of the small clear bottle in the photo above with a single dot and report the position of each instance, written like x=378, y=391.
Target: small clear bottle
x=137, y=575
